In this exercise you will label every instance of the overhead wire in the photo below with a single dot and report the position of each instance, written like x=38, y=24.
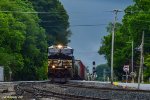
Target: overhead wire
x=44, y=12
x=80, y=25
x=29, y=12
x=37, y=12
x=84, y=25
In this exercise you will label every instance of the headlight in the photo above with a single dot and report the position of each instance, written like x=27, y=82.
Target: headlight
x=53, y=66
x=65, y=66
x=59, y=46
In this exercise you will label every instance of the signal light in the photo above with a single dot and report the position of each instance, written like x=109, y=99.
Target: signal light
x=93, y=62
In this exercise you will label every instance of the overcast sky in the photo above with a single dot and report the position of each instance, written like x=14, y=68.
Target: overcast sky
x=86, y=40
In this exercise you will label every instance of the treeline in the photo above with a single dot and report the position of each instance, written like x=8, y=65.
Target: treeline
x=135, y=21
x=103, y=72
x=27, y=28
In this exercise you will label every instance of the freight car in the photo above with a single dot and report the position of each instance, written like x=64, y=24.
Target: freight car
x=62, y=66
x=80, y=70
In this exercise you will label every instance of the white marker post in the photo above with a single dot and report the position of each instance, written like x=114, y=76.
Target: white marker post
x=126, y=69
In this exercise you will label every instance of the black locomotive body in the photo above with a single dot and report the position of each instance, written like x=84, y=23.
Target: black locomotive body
x=60, y=63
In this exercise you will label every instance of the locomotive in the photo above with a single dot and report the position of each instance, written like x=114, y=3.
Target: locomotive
x=62, y=65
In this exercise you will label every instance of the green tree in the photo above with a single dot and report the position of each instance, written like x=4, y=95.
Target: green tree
x=147, y=67
x=119, y=51
x=23, y=42
x=102, y=71
x=54, y=21
x=135, y=21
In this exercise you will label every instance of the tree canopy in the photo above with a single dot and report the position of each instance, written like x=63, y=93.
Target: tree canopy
x=135, y=21
x=24, y=37
x=54, y=21
x=103, y=72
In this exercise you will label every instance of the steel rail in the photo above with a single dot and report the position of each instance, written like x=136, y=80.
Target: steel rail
x=36, y=91
x=115, y=88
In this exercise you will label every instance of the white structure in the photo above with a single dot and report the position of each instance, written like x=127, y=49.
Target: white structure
x=52, y=50
x=1, y=73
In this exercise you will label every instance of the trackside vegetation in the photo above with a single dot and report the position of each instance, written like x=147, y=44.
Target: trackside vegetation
x=25, y=35
x=135, y=21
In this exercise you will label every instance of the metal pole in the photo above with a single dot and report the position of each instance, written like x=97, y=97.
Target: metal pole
x=132, y=63
x=104, y=75
x=142, y=77
x=112, y=48
x=132, y=56
x=141, y=61
x=94, y=70
x=126, y=77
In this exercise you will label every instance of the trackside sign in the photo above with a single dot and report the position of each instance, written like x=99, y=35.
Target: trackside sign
x=126, y=68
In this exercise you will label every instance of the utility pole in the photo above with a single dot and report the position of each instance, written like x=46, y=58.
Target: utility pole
x=112, y=46
x=142, y=77
x=142, y=68
x=132, y=74
x=141, y=62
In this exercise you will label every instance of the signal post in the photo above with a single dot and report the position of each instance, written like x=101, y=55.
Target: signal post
x=94, y=71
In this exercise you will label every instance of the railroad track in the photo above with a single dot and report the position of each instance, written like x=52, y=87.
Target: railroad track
x=40, y=91
x=115, y=88
x=78, y=91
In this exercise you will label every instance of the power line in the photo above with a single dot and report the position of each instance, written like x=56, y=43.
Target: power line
x=84, y=25
x=119, y=10
x=130, y=11
x=89, y=25
x=29, y=12
x=45, y=12
x=144, y=20
x=87, y=53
